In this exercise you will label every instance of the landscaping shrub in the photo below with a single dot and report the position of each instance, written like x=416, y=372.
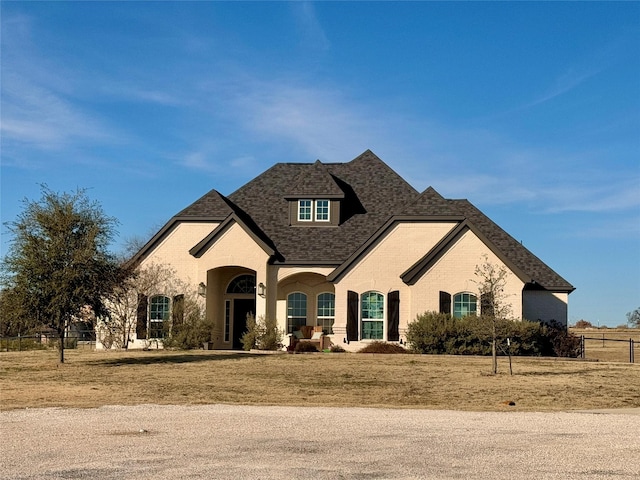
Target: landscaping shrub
x=305, y=347
x=193, y=332
x=262, y=333
x=564, y=343
x=438, y=333
x=336, y=349
x=382, y=347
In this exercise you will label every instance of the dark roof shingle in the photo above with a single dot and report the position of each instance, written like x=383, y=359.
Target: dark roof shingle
x=371, y=194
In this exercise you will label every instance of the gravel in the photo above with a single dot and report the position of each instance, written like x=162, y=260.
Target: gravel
x=250, y=442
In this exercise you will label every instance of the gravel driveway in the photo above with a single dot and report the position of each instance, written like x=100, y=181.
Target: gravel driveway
x=247, y=442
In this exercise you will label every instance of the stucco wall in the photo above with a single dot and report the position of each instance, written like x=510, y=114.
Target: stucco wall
x=455, y=273
x=381, y=268
x=545, y=306
x=174, y=251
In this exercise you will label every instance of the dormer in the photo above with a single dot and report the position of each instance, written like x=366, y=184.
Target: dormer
x=315, y=198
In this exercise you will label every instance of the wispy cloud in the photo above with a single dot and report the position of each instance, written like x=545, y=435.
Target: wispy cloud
x=566, y=82
x=309, y=27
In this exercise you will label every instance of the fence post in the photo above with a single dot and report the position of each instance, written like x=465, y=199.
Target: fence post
x=582, y=354
x=631, y=353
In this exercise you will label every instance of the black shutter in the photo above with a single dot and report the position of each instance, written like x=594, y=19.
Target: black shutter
x=177, y=311
x=393, y=316
x=445, y=303
x=141, y=312
x=352, y=316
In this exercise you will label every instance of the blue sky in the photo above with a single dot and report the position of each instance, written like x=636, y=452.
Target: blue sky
x=529, y=110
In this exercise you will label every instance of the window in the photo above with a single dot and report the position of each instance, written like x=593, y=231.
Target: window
x=243, y=284
x=464, y=304
x=304, y=210
x=372, y=316
x=322, y=210
x=227, y=319
x=314, y=211
x=296, y=311
x=159, y=307
x=326, y=312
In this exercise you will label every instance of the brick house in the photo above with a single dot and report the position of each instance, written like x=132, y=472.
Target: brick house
x=348, y=247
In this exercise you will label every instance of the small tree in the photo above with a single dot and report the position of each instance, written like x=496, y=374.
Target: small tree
x=491, y=280
x=58, y=264
x=633, y=318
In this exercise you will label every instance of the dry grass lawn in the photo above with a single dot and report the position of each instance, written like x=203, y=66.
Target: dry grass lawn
x=95, y=378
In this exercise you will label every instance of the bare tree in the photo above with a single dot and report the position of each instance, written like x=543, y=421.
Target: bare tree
x=491, y=280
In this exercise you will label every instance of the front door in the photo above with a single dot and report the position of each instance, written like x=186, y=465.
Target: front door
x=241, y=307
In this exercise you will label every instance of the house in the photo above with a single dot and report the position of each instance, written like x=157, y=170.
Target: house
x=349, y=247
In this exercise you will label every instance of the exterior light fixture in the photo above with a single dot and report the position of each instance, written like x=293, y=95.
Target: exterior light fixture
x=202, y=290
x=262, y=289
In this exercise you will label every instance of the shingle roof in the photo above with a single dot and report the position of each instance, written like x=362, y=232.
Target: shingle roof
x=213, y=204
x=372, y=195
x=372, y=191
x=315, y=182
x=538, y=272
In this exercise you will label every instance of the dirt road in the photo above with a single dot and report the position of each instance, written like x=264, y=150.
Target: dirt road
x=243, y=442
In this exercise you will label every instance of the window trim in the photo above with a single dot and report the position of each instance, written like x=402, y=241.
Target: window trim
x=380, y=320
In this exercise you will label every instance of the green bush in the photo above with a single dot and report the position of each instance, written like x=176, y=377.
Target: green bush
x=382, y=347
x=438, y=333
x=305, y=347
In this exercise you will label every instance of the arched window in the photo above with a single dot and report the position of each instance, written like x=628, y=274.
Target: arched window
x=464, y=304
x=372, y=316
x=296, y=311
x=159, y=308
x=326, y=312
x=243, y=284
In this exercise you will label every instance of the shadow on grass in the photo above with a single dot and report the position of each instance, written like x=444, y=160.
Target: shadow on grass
x=167, y=359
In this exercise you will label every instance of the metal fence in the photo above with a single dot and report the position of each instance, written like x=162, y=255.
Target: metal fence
x=633, y=344
x=77, y=339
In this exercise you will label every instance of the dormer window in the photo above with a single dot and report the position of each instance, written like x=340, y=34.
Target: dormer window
x=304, y=210
x=322, y=210
x=314, y=210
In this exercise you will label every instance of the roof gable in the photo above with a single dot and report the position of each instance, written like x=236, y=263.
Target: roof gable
x=524, y=264
x=315, y=182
